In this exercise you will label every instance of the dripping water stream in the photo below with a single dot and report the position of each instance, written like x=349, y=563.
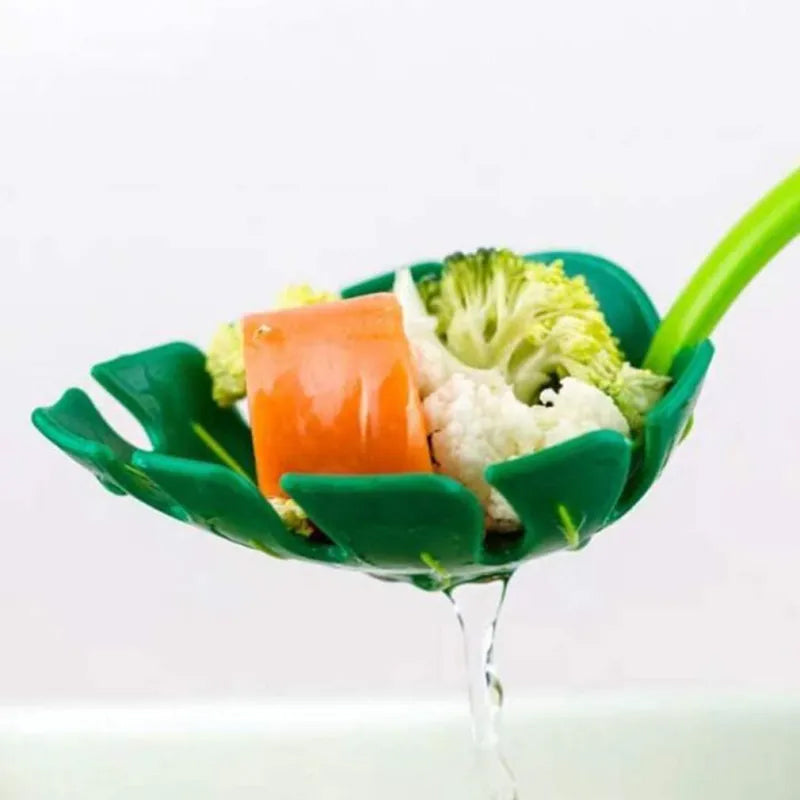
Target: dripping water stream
x=477, y=607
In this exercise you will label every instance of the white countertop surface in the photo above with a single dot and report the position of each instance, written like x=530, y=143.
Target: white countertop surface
x=613, y=747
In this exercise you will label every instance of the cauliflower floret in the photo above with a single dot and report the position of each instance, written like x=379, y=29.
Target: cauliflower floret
x=292, y=515
x=473, y=424
x=431, y=365
x=578, y=408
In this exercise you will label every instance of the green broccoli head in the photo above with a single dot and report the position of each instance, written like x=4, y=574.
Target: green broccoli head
x=534, y=324
x=636, y=391
x=529, y=320
x=225, y=364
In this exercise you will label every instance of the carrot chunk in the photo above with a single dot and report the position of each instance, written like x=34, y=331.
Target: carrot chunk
x=331, y=391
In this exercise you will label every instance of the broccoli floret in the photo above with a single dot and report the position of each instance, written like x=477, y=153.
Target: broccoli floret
x=535, y=325
x=225, y=364
x=296, y=296
x=636, y=391
x=433, y=362
x=529, y=320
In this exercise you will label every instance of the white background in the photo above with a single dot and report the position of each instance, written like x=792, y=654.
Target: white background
x=167, y=164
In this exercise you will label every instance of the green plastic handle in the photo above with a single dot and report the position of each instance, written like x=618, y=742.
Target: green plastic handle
x=765, y=230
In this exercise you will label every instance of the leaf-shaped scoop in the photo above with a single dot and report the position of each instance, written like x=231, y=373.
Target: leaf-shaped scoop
x=422, y=528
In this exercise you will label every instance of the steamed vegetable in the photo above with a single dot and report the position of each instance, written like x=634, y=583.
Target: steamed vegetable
x=433, y=362
x=303, y=295
x=225, y=364
x=226, y=367
x=473, y=425
x=534, y=325
x=293, y=517
x=331, y=390
x=636, y=391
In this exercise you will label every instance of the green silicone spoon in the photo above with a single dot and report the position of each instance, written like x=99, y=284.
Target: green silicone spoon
x=424, y=529
x=760, y=234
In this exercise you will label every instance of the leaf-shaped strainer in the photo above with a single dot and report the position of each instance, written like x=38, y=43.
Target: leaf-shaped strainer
x=423, y=528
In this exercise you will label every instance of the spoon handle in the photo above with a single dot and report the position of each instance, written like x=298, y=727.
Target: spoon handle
x=761, y=233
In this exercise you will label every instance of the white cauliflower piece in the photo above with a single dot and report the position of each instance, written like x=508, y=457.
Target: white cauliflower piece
x=578, y=408
x=474, y=418
x=473, y=425
x=292, y=515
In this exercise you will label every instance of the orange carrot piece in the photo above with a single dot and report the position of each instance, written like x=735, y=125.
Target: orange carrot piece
x=331, y=391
